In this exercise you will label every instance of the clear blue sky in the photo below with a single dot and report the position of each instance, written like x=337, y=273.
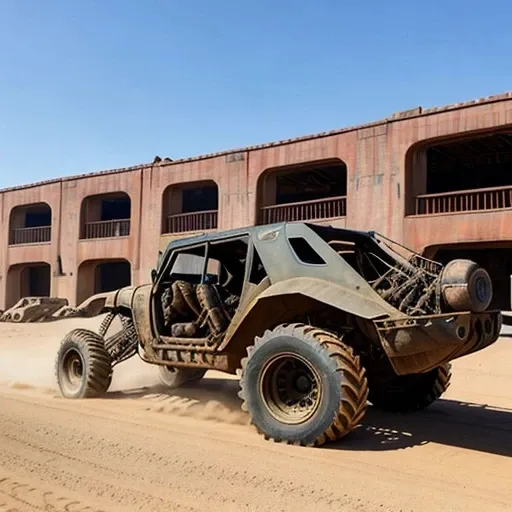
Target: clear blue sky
x=87, y=85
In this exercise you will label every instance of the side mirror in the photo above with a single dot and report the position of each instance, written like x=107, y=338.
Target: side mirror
x=153, y=276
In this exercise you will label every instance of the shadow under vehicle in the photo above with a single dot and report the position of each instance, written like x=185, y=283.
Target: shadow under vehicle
x=317, y=321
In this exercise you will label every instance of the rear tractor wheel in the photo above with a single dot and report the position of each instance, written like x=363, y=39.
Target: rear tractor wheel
x=410, y=393
x=176, y=377
x=302, y=385
x=83, y=366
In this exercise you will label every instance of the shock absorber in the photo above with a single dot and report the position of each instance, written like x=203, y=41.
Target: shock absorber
x=105, y=324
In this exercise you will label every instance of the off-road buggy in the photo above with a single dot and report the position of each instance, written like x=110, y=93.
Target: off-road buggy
x=316, y=321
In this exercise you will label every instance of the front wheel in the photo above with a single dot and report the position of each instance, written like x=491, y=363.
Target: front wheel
x=176, y=377
x=410, y=393
x=302, y=385
x=83, y=366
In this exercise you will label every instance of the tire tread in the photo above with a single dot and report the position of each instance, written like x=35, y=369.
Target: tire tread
x=409, y=402
x=93, y=349
x=354, y=384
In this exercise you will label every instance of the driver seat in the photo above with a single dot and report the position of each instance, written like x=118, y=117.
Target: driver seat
x=217, y=317
x=179, y=301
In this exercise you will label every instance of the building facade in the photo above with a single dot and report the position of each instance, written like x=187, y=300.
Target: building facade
x=437, y=180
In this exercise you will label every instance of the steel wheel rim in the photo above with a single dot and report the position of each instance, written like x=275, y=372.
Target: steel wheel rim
x=291, y=388
x=72, y=370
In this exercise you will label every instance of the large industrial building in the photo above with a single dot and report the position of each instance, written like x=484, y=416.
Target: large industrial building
x=437, y=180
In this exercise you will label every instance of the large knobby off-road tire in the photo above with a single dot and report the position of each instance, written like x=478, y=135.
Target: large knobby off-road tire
x=302, y=385
x=410, y=393
x=176, y=377
x=83, y=366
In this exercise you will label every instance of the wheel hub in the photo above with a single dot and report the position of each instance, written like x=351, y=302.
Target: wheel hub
x=303, y=384
x=72, y=369
x=290, y=388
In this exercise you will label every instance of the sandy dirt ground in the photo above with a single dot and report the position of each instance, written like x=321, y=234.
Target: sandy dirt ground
x=145, y=448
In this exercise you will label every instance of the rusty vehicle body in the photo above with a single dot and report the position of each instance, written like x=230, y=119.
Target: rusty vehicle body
x=315, y=320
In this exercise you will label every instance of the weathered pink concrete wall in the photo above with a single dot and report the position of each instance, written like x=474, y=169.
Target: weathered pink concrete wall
x=15, y=255
x=377, y=191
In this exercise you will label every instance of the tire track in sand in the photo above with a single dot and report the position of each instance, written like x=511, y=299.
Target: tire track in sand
x=17, y=494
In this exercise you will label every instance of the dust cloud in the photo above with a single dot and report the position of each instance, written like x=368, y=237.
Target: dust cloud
x=28, y=352
x=27, y=361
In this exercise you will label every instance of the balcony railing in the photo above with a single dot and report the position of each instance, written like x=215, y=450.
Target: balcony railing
x=329, y=208
x=37, y=235
x=195, y=221
x=495, y=198
x=106, y=229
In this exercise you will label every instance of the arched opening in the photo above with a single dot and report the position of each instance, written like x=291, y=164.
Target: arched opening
x=27, y=280
x=105, y=216
x=303, y=192
x=495, y=257
x=30, y=224
x=466, y=174
x=190, y=207
x=100, y=276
